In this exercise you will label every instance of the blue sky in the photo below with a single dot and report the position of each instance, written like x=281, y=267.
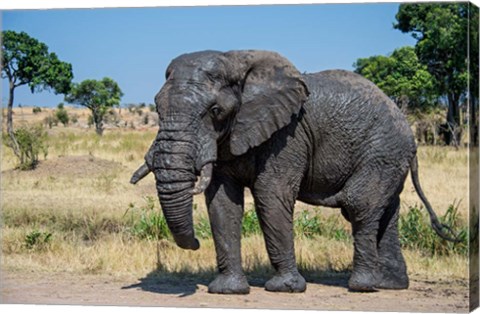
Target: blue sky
x=134, y=46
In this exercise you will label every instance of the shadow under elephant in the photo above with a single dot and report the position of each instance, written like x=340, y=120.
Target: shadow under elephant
x=186, y=283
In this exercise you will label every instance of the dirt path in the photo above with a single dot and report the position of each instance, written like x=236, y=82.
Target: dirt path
x=331, y=294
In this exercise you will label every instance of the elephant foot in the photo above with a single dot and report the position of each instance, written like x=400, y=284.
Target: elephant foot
x=286, y=282
x=362, y=281
x=392, y=279
x=229, y=284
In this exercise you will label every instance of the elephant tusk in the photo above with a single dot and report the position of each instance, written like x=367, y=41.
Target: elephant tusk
x=204, y=181
x=140, y=174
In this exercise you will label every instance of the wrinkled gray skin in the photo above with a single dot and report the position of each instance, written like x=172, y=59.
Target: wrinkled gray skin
x=250, y=119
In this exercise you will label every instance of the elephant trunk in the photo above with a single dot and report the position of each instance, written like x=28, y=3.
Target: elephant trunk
x=174, y=169
x=176, y=157
x=177, y=209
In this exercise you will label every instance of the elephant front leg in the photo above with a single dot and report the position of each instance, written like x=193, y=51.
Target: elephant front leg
x=276, y=219
x=225, y=209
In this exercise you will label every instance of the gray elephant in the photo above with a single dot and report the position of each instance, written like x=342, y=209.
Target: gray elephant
x=250, y=119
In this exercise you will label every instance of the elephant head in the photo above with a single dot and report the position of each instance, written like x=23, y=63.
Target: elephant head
x=237, y=98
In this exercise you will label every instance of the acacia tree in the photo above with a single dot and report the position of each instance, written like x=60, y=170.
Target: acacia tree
x=98, y=96
x=402, y=77
x=26, y=61
x=441, y=31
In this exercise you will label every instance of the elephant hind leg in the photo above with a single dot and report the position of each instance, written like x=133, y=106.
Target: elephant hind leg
x=365, y=256
x=371, y=204
x=392, y=270
x=366, y=199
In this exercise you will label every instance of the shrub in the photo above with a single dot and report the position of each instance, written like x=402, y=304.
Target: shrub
x=416, y=232
x=74, y=118
x=310, y=224
x=148, y=221
x=50, y=121
x=202, y=228
x=32, y=141
x=250, y=224
x=36, y=110
x=307, y=226
x=62, y=115
x=146, y=119
x=111, y=117
x=37, y=240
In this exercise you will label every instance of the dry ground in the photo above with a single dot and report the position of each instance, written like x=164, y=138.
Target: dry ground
x=87, y=177
x=329, y=293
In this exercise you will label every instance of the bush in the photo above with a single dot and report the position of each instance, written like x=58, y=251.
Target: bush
x=309, y=224
x=50, y=121
x=416, y=232
x=111, y=117
x=148, y=221
x=146, y=119
x=37, y=240
x=250, y=224
x=36, y=110
x=32, y=141
x=202, y=228
x=62, y=115
x=74, y=118
x=131, y=108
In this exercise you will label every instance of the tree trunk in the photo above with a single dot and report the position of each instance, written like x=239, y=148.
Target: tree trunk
x=98, y=121
x=453, y=121
x=15, y=147
x=473, y=121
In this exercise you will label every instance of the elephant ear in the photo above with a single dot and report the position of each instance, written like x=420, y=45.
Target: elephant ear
x=272, y=91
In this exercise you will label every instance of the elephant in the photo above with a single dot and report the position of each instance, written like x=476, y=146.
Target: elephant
x=249, y=119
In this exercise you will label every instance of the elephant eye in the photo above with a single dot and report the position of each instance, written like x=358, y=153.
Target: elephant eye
x=216, y=111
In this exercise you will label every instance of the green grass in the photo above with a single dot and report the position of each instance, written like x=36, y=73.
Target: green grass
x=417, y=233
x=37, y=240
x=146, y=222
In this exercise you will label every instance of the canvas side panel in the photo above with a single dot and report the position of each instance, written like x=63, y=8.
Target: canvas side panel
x=474, y=153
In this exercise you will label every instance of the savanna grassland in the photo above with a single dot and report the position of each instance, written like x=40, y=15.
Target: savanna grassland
x=76, y=216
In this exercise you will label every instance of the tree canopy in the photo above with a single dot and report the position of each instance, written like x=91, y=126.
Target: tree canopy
x=27, y=61
x=98, y=96
x=442, y=34
x=402, y=77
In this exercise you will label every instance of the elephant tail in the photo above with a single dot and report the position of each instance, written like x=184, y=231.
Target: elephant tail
x=441, y=229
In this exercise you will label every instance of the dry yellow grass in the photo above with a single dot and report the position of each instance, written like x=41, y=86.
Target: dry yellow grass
x=100, y=192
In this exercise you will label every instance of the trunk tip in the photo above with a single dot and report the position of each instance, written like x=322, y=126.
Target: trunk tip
x=187, y=242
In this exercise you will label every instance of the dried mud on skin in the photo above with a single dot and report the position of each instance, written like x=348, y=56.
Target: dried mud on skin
x=332, y=294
